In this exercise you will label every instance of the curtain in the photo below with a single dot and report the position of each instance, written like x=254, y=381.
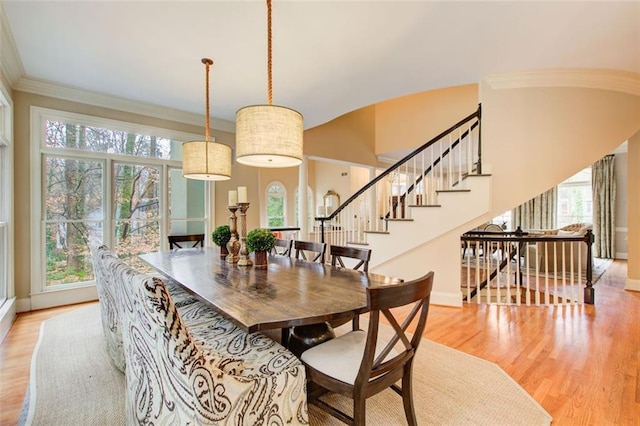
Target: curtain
x=537, y=213
x=603, y=185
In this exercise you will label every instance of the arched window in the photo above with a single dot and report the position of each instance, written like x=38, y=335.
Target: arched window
x=276, y=204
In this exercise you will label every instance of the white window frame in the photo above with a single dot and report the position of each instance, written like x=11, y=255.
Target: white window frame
x=7, y=283
x=41, y=295
x=575, y=184
x=284, y=200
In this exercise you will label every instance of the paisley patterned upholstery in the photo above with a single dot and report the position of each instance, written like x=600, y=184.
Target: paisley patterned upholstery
x=175, y=377
x=108, y=305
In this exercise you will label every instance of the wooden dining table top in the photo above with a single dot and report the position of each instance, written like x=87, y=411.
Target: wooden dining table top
x=286, y=293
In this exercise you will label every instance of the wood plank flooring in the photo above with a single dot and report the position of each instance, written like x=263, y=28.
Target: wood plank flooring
x=581, y=363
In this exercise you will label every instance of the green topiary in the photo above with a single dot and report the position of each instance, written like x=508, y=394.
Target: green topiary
x=260, y=239
x=221, y=235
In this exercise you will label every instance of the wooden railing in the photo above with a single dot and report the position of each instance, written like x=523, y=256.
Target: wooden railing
x=522, y=268
x=438, y=165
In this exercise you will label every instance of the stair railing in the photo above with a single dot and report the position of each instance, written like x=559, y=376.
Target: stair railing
x=517, y=267
x=438, y=165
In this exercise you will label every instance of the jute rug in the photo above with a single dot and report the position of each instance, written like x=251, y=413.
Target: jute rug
x=74, y=383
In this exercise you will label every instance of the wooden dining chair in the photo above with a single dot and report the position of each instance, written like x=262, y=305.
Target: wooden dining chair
x=361, y=257
x=360, y=364
x=316, y=250
x=282, y=247
x=194, y=240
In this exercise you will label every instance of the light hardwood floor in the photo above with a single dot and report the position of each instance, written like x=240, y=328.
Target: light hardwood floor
x=581, y=363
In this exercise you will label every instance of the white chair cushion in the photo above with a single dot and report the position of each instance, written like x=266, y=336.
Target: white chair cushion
x=341, y=357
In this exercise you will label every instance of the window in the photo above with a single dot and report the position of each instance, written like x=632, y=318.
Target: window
x=276, y=202
x=575, y=203
x=4, y=210
x=117, y=182
x=6, y=199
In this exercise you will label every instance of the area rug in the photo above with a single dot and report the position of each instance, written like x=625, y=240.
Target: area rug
x=74, y=383
x=599, y=268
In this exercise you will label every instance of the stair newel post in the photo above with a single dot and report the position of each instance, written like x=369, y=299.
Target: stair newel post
x=589, y=291
x=479, y=168
x=322, y=229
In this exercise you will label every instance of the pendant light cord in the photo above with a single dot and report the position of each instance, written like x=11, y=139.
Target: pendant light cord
x=269, y=63
x=207, y=62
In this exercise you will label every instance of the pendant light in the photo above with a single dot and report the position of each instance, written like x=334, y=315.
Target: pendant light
x=205, y=160
x=268, y=135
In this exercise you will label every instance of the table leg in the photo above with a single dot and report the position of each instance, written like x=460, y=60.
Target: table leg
x=303, y=337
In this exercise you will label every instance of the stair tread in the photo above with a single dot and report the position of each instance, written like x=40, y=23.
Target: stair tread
x=453, y=190
x=376, y=232
x=425, y=205
x=399, y=219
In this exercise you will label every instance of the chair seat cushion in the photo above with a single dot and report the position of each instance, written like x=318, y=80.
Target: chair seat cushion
x=341, y=357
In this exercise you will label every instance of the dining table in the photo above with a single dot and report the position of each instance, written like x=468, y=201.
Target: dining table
x=288, y=292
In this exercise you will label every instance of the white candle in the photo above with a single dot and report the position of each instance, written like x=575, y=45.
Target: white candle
x=242, y=194
x=233, y=198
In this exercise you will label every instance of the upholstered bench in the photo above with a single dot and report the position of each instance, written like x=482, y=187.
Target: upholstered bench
x=189, y=365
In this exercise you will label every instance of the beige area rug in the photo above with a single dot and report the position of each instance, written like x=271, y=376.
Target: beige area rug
x=74, y=383
x=599, y=267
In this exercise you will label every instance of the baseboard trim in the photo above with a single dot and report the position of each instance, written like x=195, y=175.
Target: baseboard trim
x=446, y=299
x=7, y=317
x=23, y=305
x=633, y=285
x=622, y=256
x=50, y=299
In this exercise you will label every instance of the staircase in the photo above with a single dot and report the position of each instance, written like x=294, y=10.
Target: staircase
x=422, y=197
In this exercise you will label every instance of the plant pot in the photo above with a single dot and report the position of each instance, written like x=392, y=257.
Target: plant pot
x=223, y=251
x=260, y=259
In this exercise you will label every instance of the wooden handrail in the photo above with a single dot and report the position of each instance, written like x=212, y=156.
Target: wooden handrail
x=476, y=114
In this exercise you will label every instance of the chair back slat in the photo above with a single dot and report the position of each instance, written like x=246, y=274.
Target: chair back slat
x=282, y=247
x=196, y=240
x=361, y=254
x=317, y=250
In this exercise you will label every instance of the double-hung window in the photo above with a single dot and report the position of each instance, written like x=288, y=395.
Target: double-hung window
x=116, y=182
x=276, y=204
x=6, y=199
x=575, y=199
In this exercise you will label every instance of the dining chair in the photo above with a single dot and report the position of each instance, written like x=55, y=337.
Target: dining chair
x=363, y=255
x=359, y=255
x=316, y=250
x=282, y=247
x=360, y=364
x=195, y=240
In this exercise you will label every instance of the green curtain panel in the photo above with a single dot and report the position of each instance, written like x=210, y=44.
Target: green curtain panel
x=537, y=213
x=603, y=184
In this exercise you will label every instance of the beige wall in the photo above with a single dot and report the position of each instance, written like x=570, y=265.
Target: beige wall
x=534, y=138
x=349, y=138
x=410, y=121
x=524, y=131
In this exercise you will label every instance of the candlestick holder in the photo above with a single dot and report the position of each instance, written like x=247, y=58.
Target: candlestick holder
x=244, y=259
x=233, y=245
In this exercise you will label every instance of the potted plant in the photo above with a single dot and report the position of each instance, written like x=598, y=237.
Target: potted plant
x=221, y=236
x=260, y=241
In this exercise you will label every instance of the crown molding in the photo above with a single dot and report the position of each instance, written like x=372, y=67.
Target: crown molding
x=615, y=80
x=10, y=62
x=68, y=93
